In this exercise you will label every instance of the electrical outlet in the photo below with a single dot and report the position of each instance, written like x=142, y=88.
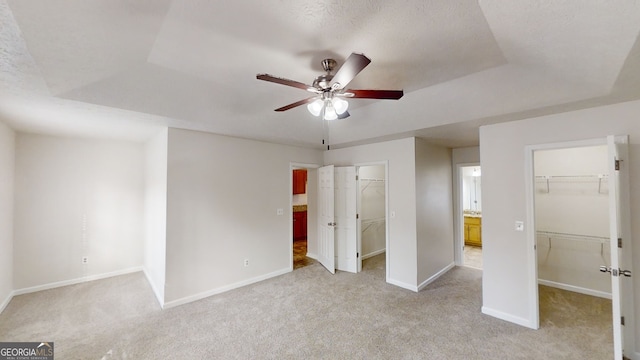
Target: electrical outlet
x=280, y=211
x=85, y=260
x=246, y=262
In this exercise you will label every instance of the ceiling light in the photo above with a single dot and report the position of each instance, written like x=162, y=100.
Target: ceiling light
x=316, y=107
x=340, y=105
x=329, y=111
x=331, y=108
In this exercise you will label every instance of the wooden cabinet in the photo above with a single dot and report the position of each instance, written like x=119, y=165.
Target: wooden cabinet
x=473, y=231
x=299, y=225
x=299, y=181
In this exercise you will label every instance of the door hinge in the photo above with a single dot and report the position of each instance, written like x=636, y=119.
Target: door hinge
x=622, y=320
x=356, y=177
x=620, y=243
x=358, y=256
x=618, y=164
x=357, y=216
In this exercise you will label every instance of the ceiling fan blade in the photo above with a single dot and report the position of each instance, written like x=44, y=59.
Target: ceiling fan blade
x=296, y=104
x=374, y=94
x=287, y=82
x=344, y=115
x=351, y=67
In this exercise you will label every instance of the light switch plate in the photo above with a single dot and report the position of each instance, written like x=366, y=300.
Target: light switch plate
x=519, y=225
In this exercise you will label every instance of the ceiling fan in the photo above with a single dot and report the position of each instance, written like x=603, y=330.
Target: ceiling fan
x=330, y=90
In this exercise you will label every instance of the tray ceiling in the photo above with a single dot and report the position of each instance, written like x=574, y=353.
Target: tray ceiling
x=120, y=68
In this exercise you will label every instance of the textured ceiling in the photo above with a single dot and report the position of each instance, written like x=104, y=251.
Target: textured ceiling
x=120, y=68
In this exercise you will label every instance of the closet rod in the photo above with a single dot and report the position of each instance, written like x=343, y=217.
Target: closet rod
x=568, y=236
x=599, y=178
x=369, y=182
x=370, y=222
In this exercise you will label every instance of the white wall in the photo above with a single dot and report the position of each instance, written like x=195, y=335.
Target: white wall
x=400, y=154
x=74, y=198
x=223, y=196
x=155, y=210
x=505, y=276
x=465, y=155
x=434, y=203
x=372, y=185
x=570, y=203
x=7, y=158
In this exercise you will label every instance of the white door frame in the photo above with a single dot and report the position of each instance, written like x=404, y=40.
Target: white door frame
x=530, y=225
x=289, y=212
x=458, y=219
x=385, y=163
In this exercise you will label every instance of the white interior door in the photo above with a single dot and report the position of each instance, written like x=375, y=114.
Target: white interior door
x=345, y=188
x=620, y=228
x=326, y=220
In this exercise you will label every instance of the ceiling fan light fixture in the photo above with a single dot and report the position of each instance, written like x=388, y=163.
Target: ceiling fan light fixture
x=330, y=89
x=315, y=107
x=329, y=111
x=339, y=105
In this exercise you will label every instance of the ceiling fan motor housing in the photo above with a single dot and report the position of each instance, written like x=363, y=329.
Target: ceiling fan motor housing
x=323, y=82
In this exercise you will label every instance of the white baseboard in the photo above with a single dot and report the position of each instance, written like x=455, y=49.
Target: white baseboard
x=577, y=289
x=508, y=317
x=436, y=276
x=372, y=254
x=6, y=301
x=76, y=281
x=158, y=294
x=312, y=255
x=402, y=285
x=225, y=288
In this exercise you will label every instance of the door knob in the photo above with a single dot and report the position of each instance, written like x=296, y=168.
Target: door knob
x=626, y=273
x=616, y=272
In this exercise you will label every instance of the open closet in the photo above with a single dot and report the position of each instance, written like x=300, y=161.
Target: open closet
x=372, y=215
x=572, y=219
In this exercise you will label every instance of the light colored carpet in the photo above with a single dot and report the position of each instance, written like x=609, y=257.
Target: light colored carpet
x=306, y=314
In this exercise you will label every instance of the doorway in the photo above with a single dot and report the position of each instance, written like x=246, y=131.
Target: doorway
x=470, y=216
x=302, y=214
x=558, y=249
x=372, y=229
x=340, y=215
x=572, y=236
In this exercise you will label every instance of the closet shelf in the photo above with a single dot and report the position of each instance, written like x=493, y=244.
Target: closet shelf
x=367, y=223
x=575, y=237
x=599, y=178
x=369, y=182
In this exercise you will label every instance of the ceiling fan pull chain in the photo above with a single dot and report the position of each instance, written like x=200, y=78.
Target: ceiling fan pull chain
x=325, y=131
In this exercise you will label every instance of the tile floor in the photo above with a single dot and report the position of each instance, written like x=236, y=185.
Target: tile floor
x=300, y=258
x=473, y=256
